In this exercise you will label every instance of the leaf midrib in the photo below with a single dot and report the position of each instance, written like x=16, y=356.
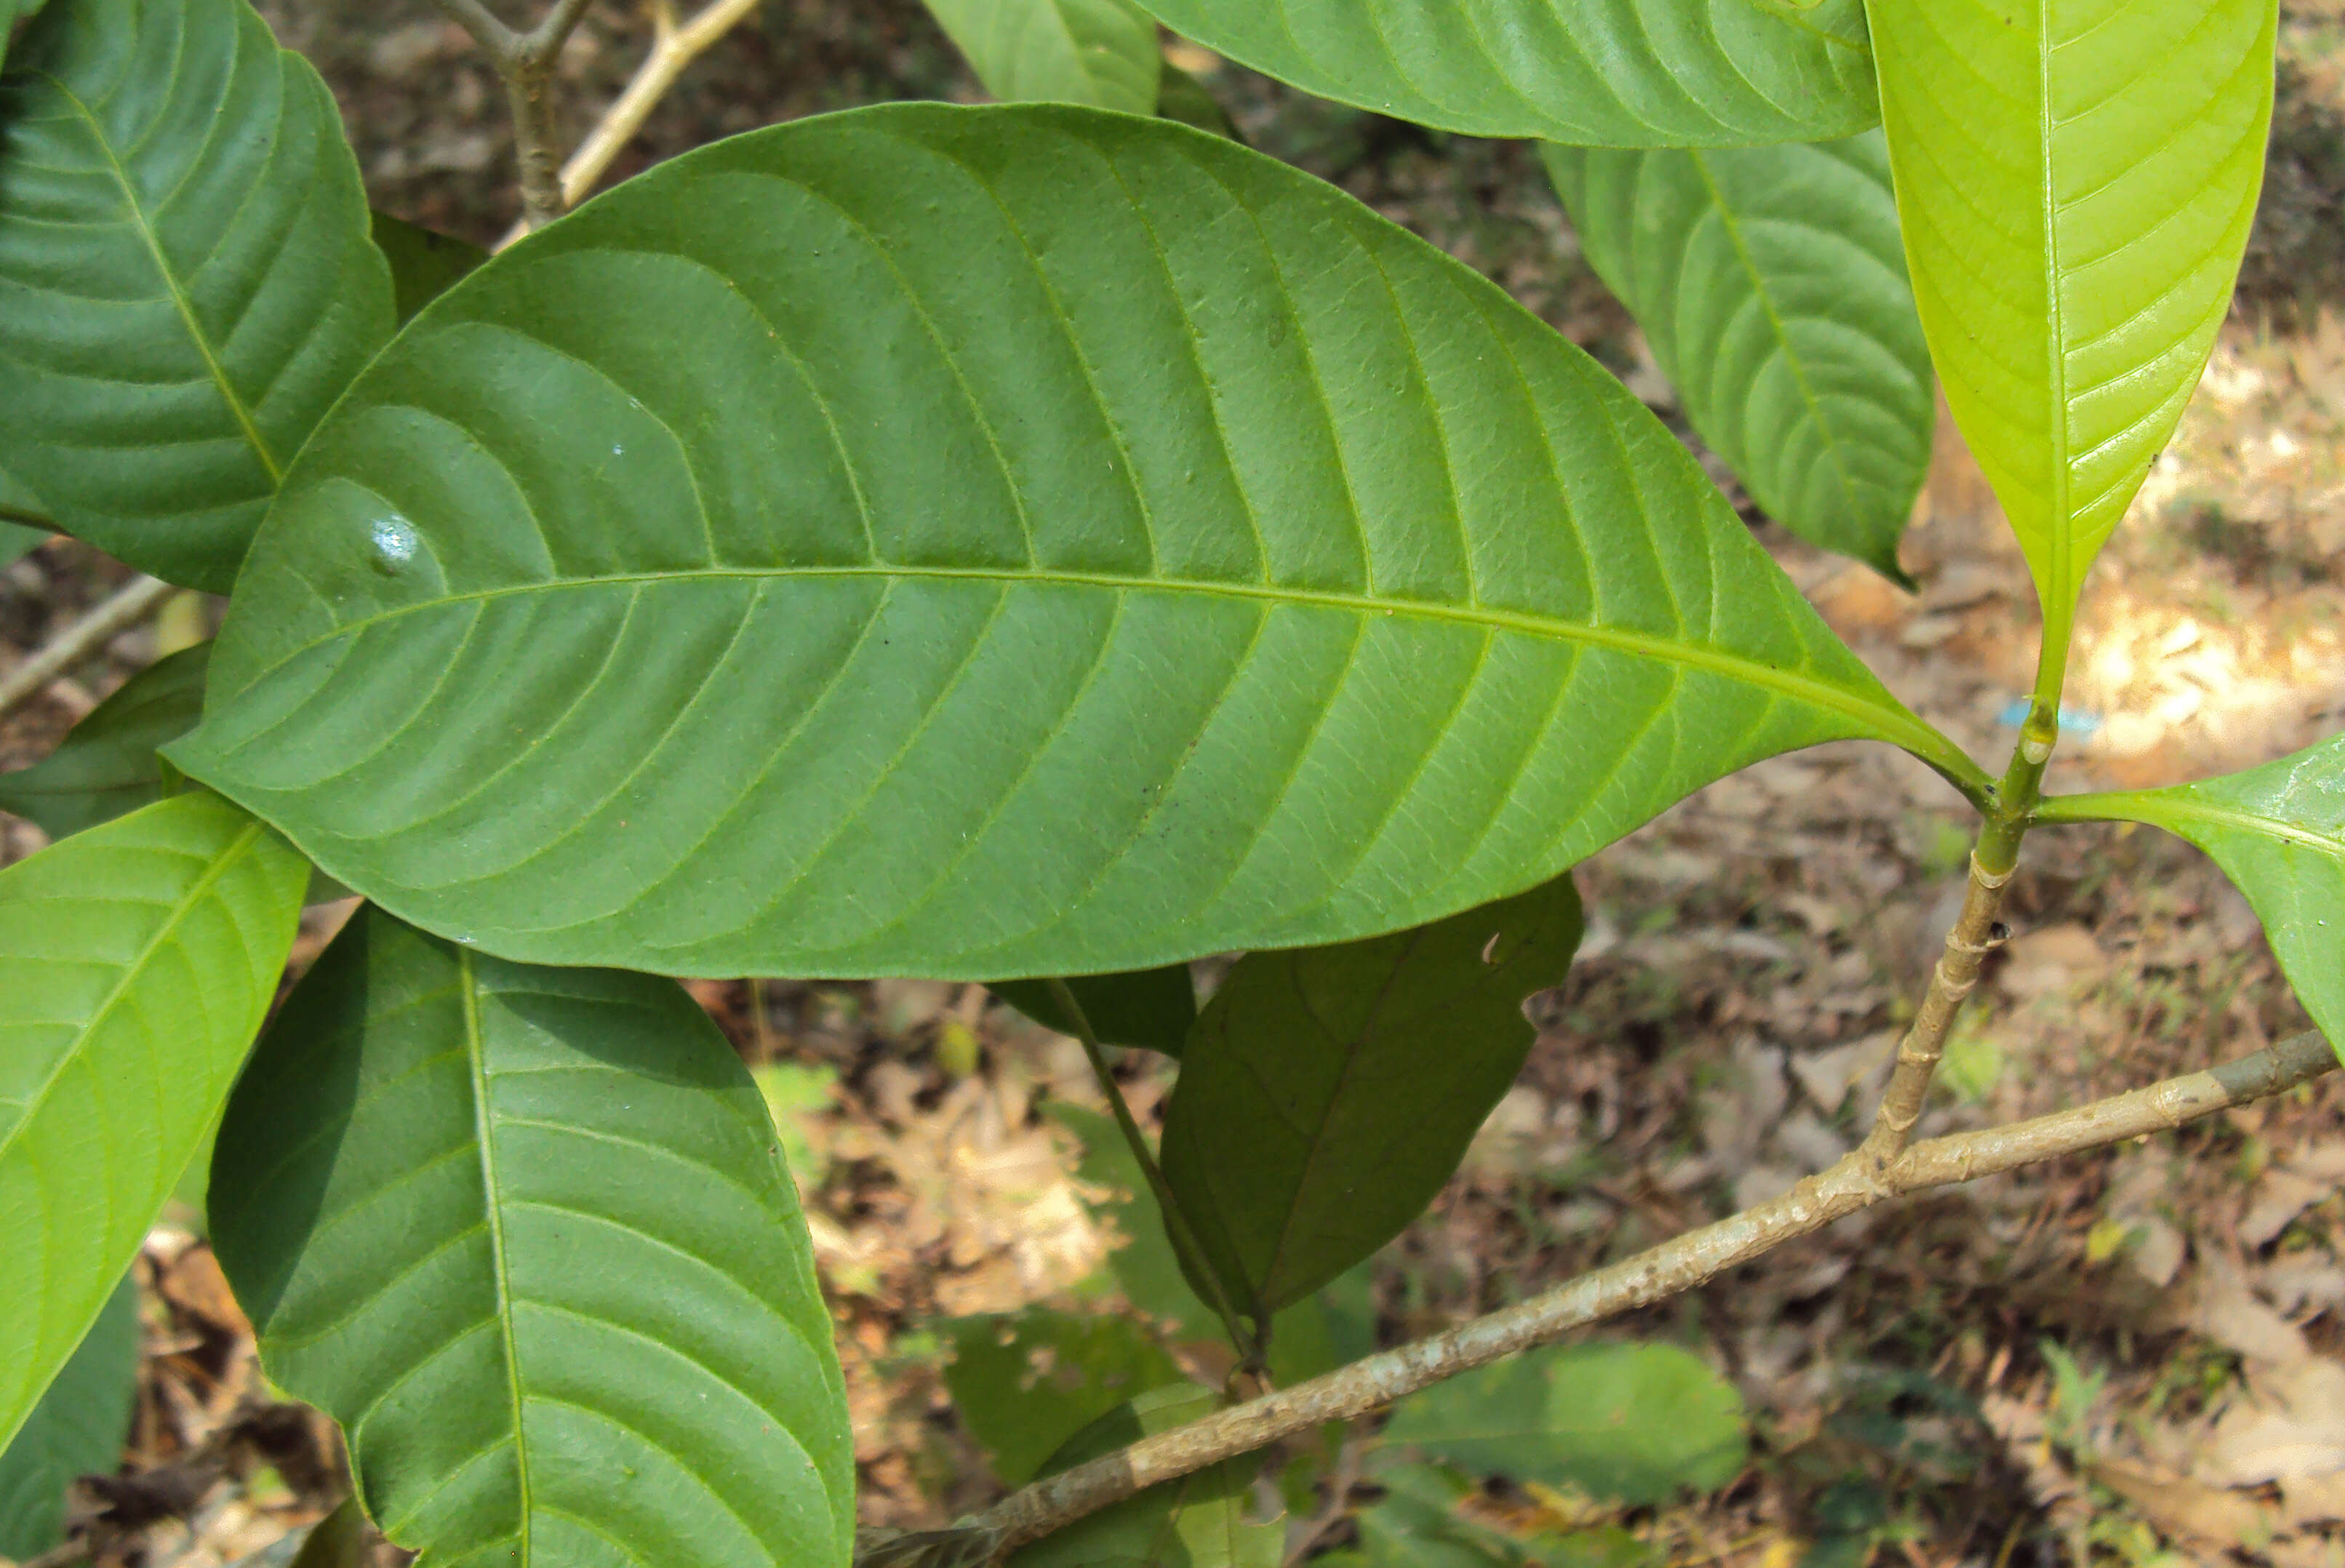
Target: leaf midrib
x=1891, y=723
x=469, y=990
x=2061, y=563
x=179, y=299
x=227, y=857
x=2166, y=812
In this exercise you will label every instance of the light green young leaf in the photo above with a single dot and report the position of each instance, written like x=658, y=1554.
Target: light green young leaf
x=1197, y=1520
x=1151, y=1008
x=1590, y=73
x=2279, y=832
x=2076, y=183
x=77, y=1429
x=1632, y=1423
x=1025, y=1382
x=526, y=1233
x=106, y=766
x=423, y=265
x=136, y=961
x=1770, y=284
x=1102, y=52
x=1076, y=543
x=185, y=277
x=1327, y=1093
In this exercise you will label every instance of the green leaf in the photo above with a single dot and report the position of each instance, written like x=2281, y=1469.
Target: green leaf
x=1151, y=1008
x=338, y=1541
x=19, y=539
x=423, y=265
x=1102, y=52
x=1196, y=1521
x=1770, y=284
x=1181, y=97
x=527, y=1235
x=77, y=1429
x=12, y=15
x=107, y=764
x=1632, y=1423
x=1076, y=544
x=136, y=961
x=1024, y=1383
x=1327, y=1093
x=185, y=279
x=2279, y=832
x=1592, y=72
x=2076, y=186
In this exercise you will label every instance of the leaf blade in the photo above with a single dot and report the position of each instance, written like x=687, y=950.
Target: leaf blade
x=1151, y=1008
x=236, y=293
x=136, y=961
x=2072, y=258
x=106, y=766
x=1102, y=52
x=587, y=1313
x=1589, y=73
x=77, y=1429
x=1327, y=1094
x=2279, y=832
x=1770, y=284
x=1081, y=588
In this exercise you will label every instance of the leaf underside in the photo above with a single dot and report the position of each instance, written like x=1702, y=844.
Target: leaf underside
x=2076, y=184
x=136, y=961
x=1327, y=1093
x=106, y=766
x=77, y=1429
x=1025, y=1382
x=2279, y=832
x=1196, y=1521
x=1770, y=284
x=1152, y=1009
x=424, y=265
x=1102, y=52
x=1078, y=544
x=186, y=281
x=526, y=1234
x=1590, y=73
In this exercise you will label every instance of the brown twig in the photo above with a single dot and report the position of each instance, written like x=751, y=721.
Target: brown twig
x=673, y=49
x=129, y=605
x=1676, y=1265
x=1977, y=932
x=525, y=62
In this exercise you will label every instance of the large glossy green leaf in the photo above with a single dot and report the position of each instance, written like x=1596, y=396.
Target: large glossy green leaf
x=1151, y=1008
x=1770, y=284
x=1025, y=1382
x=1327, y=1093
x=2279, y=832
x=186, y=281
x=1075, y=543
x=1636, y=1423
x=106, y=766
x=77, y=1429
x=1102, y=52
x=2075, y=182
x=1592, y=72
x=1197, y=1520
x=136, y=961
x=527, y=1235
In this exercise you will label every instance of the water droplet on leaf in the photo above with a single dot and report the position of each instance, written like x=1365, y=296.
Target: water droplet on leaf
x=394, y=543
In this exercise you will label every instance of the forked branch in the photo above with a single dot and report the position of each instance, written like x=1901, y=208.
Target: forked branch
x=524, y=60
x=1857, y=1182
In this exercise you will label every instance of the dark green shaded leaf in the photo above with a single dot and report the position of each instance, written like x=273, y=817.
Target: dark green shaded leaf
x=1632, y=1423
x=1025, y=1382
x=136, y=961
x=2279, y=832
x=1102, y=52
x=1150, y=1008
x=338, y=1541
x=1198, y=1520
x=423, y=265
x=1327, y=1093
x=185, y=277
x=1771, y=283
x=107, y=764
x=527, y=1234
x=77, y=1429
x=22, y=536
x=1182, y=97
x=1591, y=72
x=1075, y=544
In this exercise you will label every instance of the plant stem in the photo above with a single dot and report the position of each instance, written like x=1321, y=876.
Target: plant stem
x=129, y=605
x=1652, y=1276
x=26, y=519
x=525, y=62
x=1176, y=1223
